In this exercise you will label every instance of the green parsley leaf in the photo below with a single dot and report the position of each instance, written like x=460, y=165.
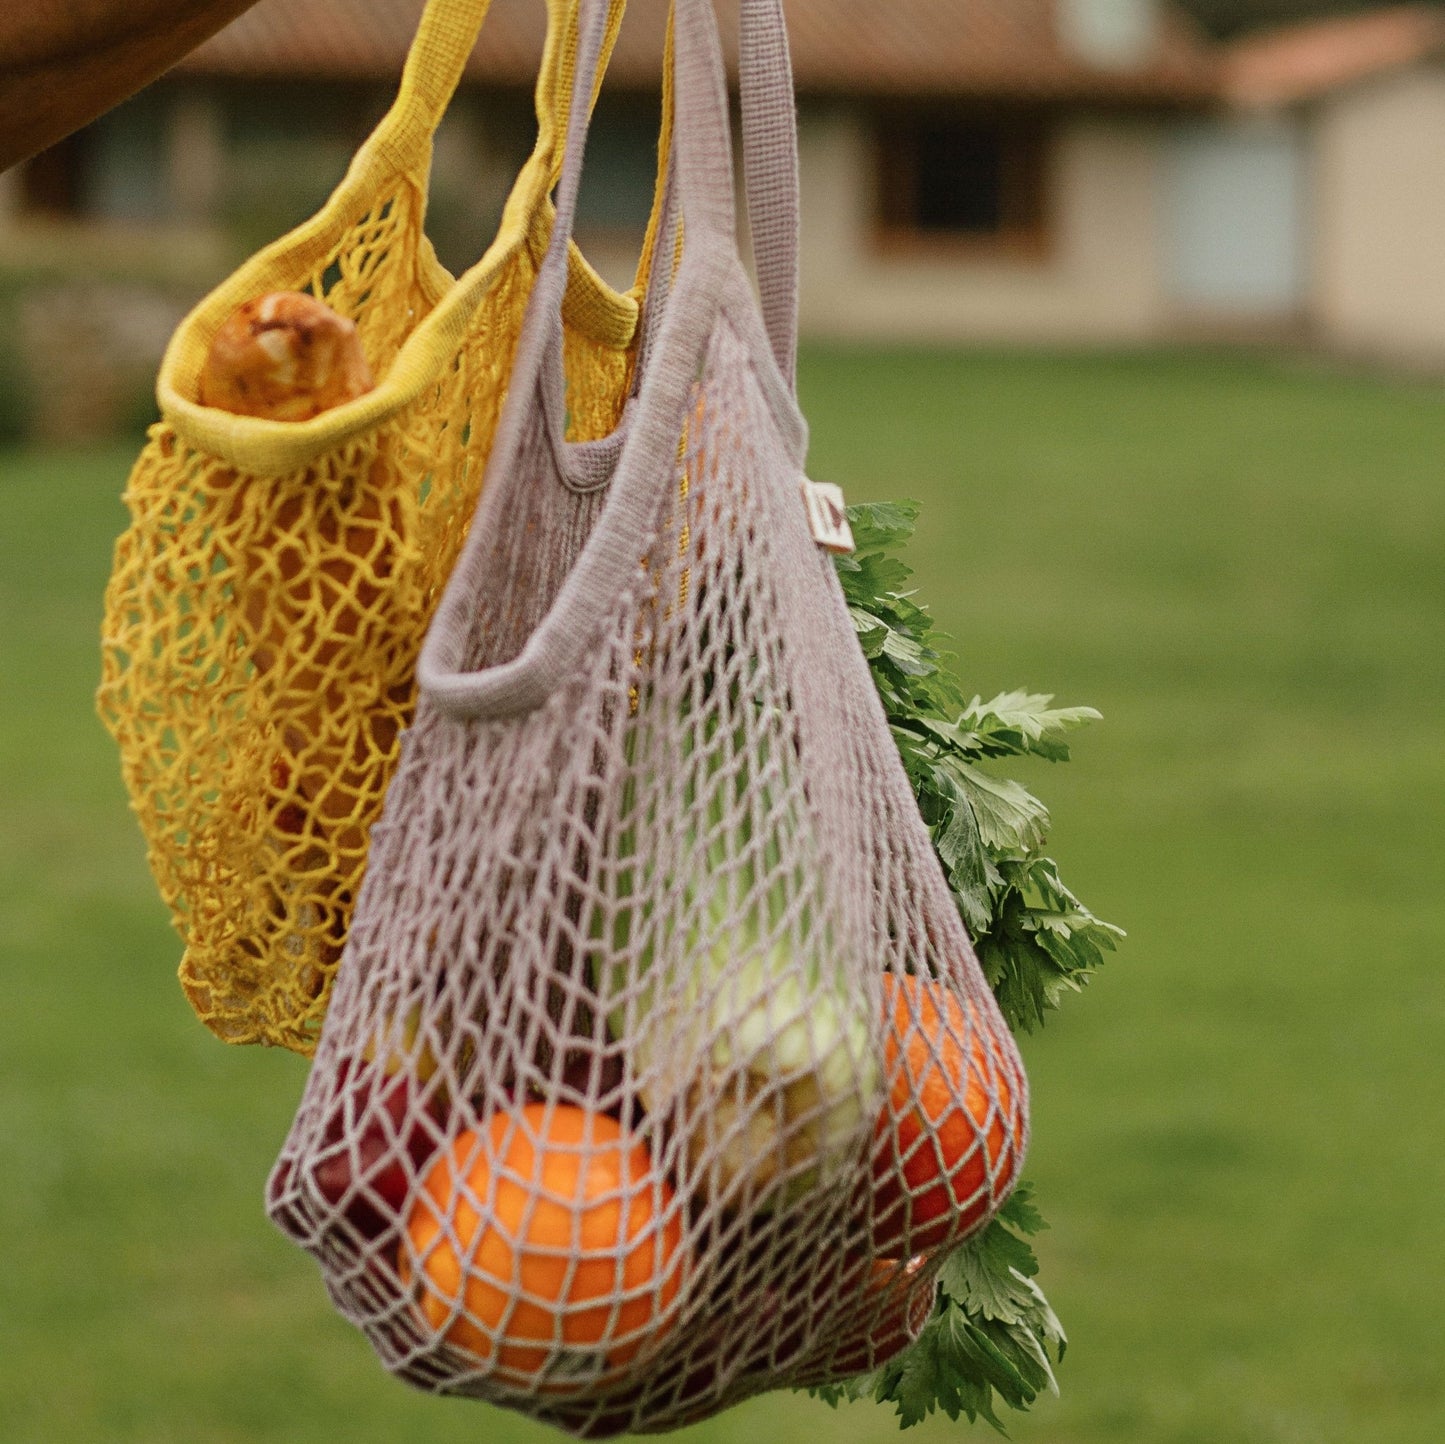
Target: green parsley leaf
x=993, y=1337
x=1036, y=941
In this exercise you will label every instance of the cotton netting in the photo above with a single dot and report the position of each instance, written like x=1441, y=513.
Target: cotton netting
x=660, y=1071
x=270, y=595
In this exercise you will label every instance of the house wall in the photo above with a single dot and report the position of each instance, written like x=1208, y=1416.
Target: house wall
x=1100, y=279
x=1379, y=278
x=1238, y=200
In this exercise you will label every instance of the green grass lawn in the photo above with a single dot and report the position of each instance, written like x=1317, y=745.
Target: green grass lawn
x=1237, y=1129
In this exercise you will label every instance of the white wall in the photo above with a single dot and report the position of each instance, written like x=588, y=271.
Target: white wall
x=1380, y=184
x=1237, y=205
x=1101, y=280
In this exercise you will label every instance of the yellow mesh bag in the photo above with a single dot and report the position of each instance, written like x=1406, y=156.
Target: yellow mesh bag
x=269, y=597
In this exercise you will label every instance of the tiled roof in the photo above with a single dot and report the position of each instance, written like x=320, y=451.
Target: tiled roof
x=1301, y=62
x=998, y=48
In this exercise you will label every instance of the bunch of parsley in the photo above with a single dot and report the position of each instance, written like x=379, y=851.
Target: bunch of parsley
x=992, y=1333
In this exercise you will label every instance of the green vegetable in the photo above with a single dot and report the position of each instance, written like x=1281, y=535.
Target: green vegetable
x=992, y=1331
x=747, y=1031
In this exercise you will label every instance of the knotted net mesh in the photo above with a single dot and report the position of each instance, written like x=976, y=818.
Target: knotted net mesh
x=660, y=1071
x=261, y=627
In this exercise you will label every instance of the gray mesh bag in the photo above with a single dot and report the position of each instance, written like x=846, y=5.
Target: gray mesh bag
x=659, y=1070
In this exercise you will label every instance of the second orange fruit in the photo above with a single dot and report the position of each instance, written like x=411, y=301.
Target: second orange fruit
x=953, y=1130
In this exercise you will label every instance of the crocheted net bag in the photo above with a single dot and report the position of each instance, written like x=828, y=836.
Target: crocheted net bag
x=660, y=1070
x=269, y=598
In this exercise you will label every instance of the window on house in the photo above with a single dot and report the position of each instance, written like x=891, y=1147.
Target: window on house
x=961, y=177
x=621, y=170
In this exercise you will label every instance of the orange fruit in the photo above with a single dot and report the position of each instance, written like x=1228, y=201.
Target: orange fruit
x=573, y=1261
x=951, y=1136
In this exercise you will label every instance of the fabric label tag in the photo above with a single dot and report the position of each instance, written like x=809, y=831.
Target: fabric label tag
x=827, y=515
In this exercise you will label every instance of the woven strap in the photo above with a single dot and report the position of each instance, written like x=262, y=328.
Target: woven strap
x=644, y=445
x=770, y=178
x=770, y=154
x=399, y=147
x=446, y=35
x=770, y=169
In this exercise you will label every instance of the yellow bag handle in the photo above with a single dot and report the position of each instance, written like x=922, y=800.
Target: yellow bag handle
x=399, y=151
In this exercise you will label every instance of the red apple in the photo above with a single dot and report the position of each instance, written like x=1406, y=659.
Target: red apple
x=377, y=1139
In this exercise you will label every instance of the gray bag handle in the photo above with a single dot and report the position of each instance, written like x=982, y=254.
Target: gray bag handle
x=770, y=170
x=771, y=190
x=709, y=277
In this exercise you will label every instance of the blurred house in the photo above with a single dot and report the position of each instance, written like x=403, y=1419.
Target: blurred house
x=1351, y=113
x=1031, y=171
